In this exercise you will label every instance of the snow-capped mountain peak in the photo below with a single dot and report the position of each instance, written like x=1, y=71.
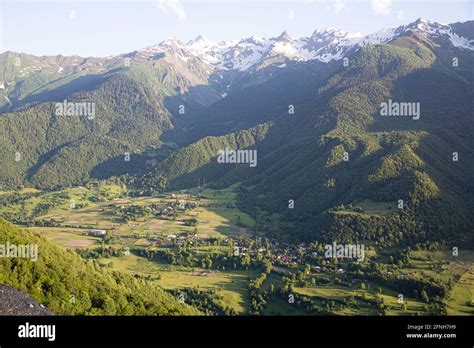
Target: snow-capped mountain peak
x=323, y=45
x=285, y=36
x=438, y=32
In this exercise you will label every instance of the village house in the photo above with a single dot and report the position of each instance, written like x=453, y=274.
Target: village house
x=167, y=211
x=97, y=233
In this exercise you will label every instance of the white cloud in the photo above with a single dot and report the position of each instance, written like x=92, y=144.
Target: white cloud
x=381, y=6
x=339, y=6
x=173, y=7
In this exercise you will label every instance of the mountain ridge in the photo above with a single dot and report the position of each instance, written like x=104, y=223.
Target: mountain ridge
x=202, y=47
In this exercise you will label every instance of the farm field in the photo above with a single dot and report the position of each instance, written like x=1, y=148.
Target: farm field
x=360, y=307
x=69, y=238
x=366, y=208
x=214, y=221
x=444, y=266
x=231, y=285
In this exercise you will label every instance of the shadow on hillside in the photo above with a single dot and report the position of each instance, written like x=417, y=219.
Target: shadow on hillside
x=253, y=99
x=82, y=83
x=44, y=159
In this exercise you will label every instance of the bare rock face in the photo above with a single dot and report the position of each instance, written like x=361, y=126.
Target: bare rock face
x=16, y=302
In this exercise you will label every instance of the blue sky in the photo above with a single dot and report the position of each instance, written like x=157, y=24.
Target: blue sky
x=93, y=28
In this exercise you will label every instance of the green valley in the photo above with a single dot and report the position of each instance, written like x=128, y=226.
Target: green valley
x=200, y=248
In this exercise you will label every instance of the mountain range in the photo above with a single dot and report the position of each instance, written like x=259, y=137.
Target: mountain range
x=310, y=107
x=212, y=62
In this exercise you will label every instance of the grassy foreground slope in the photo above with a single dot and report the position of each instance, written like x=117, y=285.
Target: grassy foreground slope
x=59, y=274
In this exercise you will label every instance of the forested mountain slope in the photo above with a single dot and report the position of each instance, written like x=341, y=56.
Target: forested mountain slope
x=302, y=158
x=57, y=274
